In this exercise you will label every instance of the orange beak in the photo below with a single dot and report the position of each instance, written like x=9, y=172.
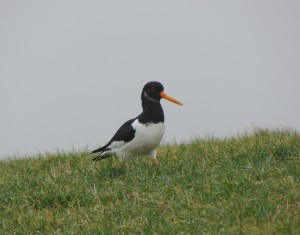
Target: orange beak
x=165, y=96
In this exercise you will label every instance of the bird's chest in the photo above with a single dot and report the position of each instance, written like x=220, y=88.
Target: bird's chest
x=151, y=133
x=147, y=137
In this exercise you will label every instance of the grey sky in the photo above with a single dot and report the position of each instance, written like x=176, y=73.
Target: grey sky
x=71, y=72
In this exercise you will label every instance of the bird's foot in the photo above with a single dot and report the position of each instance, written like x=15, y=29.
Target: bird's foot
x=155, y=162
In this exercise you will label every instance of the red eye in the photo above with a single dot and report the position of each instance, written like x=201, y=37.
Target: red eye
x=153, y=88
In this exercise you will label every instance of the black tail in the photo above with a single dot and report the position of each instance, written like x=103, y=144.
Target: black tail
x=100, y=157
x=98, y=150
x=101, y=150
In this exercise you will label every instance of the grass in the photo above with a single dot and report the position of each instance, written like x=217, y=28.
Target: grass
x=243, y=185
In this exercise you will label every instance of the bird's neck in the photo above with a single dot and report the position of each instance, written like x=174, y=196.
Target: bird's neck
x=152, y=112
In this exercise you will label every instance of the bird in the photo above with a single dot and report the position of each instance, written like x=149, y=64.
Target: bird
x=141, y=135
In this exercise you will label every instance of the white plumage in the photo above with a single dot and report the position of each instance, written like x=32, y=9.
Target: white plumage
x=147, y=138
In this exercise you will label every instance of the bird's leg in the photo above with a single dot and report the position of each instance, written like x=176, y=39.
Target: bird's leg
x=153, y=157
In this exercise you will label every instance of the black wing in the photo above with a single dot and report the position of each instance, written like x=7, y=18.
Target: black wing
x=124, y=133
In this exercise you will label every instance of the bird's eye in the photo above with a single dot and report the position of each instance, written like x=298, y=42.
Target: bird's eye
x=153, y=88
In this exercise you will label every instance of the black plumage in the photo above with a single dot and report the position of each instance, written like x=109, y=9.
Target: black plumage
x=152, y=114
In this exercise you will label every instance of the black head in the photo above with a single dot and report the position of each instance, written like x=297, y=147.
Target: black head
x=152, y=91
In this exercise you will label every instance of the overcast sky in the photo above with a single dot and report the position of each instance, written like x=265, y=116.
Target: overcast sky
x=71, y=72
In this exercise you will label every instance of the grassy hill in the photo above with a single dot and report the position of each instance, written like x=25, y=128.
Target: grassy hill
x=248, y=184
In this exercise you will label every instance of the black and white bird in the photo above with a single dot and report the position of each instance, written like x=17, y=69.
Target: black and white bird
x=141, y=135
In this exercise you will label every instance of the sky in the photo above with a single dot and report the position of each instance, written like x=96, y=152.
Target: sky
x=71, y=72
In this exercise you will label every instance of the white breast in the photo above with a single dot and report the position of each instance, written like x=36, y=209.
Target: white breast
x=146, y=139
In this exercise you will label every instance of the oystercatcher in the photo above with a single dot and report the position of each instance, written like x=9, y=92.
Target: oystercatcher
x=141, y=135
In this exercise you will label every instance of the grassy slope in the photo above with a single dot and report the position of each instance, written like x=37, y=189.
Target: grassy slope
x=249, y=184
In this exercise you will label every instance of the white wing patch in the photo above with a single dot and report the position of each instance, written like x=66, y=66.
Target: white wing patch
x=116, y=144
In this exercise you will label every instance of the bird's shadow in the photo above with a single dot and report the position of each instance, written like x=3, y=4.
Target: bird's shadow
x=113, y=169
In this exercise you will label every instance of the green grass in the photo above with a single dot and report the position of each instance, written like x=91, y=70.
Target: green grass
x=244, y=185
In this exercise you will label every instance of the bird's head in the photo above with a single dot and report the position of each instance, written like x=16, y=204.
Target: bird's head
x=154, y=91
